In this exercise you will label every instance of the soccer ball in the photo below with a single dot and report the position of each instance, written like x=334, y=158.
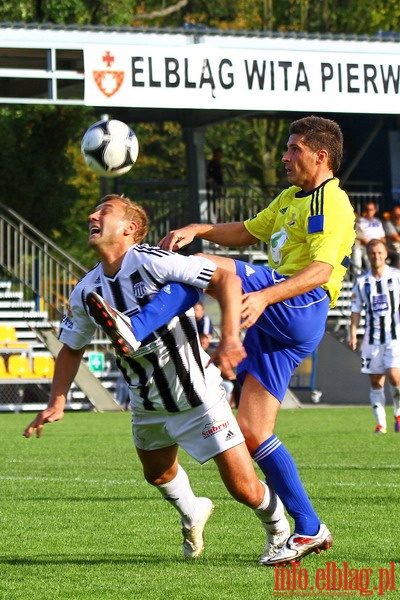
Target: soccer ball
x=110, y=148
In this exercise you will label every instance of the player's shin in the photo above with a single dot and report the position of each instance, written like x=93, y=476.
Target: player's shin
x=179, y=493
x=281, y=473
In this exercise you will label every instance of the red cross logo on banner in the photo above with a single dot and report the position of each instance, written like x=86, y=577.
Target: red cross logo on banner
x=108, y=81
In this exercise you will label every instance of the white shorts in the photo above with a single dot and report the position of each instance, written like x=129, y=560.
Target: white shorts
x=202, y=431
x=375, y=360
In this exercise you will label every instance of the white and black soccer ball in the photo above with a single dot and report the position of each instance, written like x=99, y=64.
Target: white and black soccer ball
x=110, y=148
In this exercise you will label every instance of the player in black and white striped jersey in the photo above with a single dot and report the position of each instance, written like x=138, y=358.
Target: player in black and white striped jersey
x=176, y=396
x=377, y=291
x=166, y=357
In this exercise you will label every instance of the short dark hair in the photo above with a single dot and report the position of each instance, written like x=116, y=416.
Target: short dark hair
x=318, y=133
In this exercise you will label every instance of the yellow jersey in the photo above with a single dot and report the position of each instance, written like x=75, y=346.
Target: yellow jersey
x=302, y=227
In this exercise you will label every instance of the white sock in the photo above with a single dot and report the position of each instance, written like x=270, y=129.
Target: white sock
x=179, y=493
x=395, y=391
x=378, y=401
x=271, y=509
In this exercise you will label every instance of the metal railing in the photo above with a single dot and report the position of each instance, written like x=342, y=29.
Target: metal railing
x=36, y=265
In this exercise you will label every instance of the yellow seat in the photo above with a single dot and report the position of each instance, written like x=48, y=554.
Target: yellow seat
x=9, y=339
x=43, y=366
x=8, y=334
x=19, y=367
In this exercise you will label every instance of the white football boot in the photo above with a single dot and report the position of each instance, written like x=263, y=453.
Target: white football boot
x=193, y=538
x=278, y=534
x=299, y=545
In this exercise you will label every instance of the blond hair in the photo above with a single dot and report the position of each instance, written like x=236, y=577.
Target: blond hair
x=133, y=212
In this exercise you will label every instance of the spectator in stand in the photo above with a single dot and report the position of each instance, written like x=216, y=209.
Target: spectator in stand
x=392, y=229
x=204, y=323
x=368, y=227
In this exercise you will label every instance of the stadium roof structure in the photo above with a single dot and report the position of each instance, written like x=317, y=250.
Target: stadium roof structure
x=198, y=76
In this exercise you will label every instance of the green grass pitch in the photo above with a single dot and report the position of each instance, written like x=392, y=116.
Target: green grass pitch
x=78, y=522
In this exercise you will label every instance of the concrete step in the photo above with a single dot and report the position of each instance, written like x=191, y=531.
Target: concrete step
x=8, y=295
x=22, y=315
x=13, y=304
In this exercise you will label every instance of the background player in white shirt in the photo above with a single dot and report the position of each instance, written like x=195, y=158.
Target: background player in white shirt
x=176, y=399
x=377, y=291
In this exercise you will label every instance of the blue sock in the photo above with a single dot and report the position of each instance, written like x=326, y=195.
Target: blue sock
x=281, y=473
x=172, y=300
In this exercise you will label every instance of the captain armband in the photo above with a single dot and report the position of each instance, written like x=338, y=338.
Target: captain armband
x=316, y=224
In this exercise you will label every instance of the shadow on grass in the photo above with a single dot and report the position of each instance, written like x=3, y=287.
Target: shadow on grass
x=225, y=559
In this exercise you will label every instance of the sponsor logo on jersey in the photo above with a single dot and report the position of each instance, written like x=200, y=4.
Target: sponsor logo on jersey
x=167, y=289
x=210, y=429
x=139, y=289
x=278, y=240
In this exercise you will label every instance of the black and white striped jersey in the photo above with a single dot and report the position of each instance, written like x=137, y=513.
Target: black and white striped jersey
x=380, y=298
x=167, y=373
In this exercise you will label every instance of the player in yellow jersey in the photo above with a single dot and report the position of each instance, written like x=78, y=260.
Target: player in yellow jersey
x=309, y=229
x=300, y=227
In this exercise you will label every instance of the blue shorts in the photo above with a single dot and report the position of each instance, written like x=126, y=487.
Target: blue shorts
x=284, y=334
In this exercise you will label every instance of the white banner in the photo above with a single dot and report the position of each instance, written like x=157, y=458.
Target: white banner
x=202, y=76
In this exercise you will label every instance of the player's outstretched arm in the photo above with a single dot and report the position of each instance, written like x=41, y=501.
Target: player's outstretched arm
x=66, y=368
x=226, y=234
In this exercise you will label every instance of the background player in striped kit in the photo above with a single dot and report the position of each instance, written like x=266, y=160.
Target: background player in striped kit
x=175, y=398
x=377, y=291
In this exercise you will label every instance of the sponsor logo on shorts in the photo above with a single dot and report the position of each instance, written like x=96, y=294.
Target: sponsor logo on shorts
x=249, y=270
x=67, y=320
x=229, y=436
x=210, y=429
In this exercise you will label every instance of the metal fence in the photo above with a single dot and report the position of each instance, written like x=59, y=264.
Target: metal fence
x=35, y=264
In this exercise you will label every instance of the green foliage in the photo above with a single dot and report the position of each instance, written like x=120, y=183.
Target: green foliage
x=34, y=163
x=162, y=152
x=335, y=16
x=80, y=12
x=252, y=148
